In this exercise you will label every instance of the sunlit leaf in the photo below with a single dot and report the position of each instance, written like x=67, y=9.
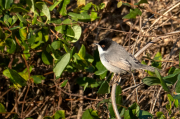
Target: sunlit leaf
x=21, y=18
x=61, y=65
x=90, y=114
x=8, y=3
x=81, y=2
x=64, y=83
x=14, y=77
x=23, y=33
x=47, y=58
x=60, y=114
x=63, y=10
x=55, y=4
x=119, y=4
x=45, y=10
x=11, y=45
x=37, y=78
x=133, y=14
x=2, y=108
x=77, y=31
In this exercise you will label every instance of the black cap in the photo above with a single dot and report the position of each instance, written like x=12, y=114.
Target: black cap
x=105, y=44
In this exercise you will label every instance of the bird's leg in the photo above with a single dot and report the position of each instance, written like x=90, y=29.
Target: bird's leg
x=116, y=78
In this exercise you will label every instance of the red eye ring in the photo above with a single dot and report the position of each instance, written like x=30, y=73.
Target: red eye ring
x=102, y=46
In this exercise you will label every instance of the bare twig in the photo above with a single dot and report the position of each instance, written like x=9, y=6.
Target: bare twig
x=156, y=99
x=113, y=98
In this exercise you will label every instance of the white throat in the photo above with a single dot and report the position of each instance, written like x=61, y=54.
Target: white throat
x=101, y=51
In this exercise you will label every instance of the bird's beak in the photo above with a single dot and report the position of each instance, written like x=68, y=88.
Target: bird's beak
x=96, y=44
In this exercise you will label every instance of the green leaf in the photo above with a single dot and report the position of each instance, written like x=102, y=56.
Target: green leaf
x=141, y=1
x=172, y=78
x=90, y=114
x=171, y=70
x=133, y=14
x=119, y=4
x=30, y=3
x=34, y=21
x=104, y=88
x=60, y=29
x=2, y=35
x=11, y=45
x=56, y=44
x=37, y=78
x=170, y=99
x=177, y=88
x=45, y=10
x=83, y=16
x=61, y=65
x=89, y=58
x=82, y=52
x=14, y=77
x=21, y=18
x=144, y=115
x=177, y=96
x=159, y=114
x=47, y=58
x=14, y=19
x=157, y=57
x=163, y=84
x=63, y=10
x=23, y=33
x=8, y=3
x=94, y=15
x=176, y=103
x=110, y=108
x=45, y=33
x=2, y=108
x=19, y=9
x=118, y=95
x=55, y=21
x=103, y=102
x=60, y=114
x=87, y=6
x=82, y=81
x=101, y=68
x=151, y=81
x=122, y=112
x=70, y=32
x=67, y=49
x=15, y=27
x=64, y=83
x=77, y=33
x=6, y=17
x=179, y=59
x=127, y=115
x=102, y=6
x=54, y=5
x=85, y=86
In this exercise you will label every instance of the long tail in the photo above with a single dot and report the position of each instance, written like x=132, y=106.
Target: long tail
x=149, y=68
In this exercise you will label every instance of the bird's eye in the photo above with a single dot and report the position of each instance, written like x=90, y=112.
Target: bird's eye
x=102, y=46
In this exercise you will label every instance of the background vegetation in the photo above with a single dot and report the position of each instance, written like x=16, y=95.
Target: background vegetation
x=50, y=68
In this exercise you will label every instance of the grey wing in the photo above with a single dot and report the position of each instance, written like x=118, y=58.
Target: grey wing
x=118, y=62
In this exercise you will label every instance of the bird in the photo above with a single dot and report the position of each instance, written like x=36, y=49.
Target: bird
x=117, y=60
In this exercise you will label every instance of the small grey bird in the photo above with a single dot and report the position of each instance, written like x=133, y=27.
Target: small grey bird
x=116, y=59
